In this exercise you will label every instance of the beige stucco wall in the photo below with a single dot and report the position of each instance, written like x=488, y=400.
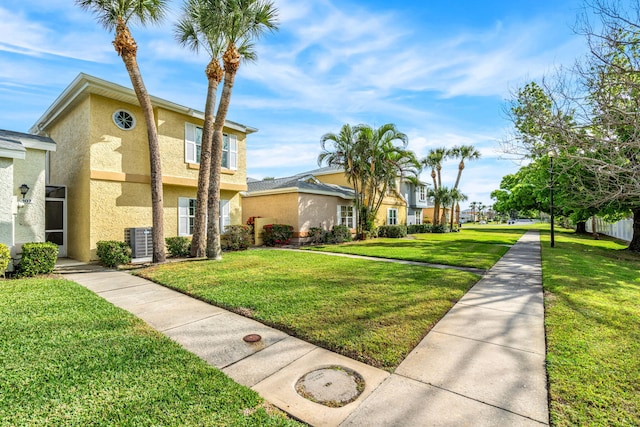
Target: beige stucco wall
x=338, y=178
x=7, y=195
x=29, y=225
x=114, y=149
x=392, y=202
x=173, y=193
x=284, y=207
x=318, y=211
x=69, y=165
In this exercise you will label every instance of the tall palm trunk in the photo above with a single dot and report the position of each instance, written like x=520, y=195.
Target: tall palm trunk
x=199, y=242
x=455, y=187
x=126, y=47
x=231, y=60
x=436, y=200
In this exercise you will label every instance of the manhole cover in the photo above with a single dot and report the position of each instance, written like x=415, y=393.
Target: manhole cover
x=251, y=338
x=334, y=386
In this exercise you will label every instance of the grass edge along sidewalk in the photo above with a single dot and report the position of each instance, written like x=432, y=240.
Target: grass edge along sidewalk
x=592, y=322
x=69, y=357
x=370, y=311
x=475, y=246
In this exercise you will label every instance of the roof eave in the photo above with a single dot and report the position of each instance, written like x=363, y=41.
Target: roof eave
x=86, y=84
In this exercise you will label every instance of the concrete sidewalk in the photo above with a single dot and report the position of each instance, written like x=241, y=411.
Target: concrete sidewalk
x=481, y=365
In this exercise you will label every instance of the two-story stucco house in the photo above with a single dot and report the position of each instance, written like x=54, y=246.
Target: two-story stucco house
x=324, y=198
x=22, y=188
x=419, y=204
x=103, y=162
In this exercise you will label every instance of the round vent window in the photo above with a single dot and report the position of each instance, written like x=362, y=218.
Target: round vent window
x=124, y=120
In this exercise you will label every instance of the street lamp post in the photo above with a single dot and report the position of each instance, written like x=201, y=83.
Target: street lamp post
x=551, y=156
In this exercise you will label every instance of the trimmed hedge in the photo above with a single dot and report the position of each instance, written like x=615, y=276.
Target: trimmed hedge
x=340, y=233
x=179, y=246
x=37, y=258
x=277, y=234
x=440, y=228
x=5, y=257
x=392, y=231
x=418, y=228
x=237, y=238
x=113, y=252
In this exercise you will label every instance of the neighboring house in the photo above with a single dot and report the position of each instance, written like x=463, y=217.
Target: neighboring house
x=467, y=215
x=302, y=201
x=323, y=198
x=394, y=208
x=420, y=206
x=22, y=189
x=102, y=160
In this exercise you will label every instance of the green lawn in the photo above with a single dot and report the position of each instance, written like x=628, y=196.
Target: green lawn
x=375, y=312
x=473, y=246
x=592, y=323
x=68, y=357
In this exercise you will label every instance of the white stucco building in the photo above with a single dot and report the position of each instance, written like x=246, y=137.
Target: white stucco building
x=22, y=188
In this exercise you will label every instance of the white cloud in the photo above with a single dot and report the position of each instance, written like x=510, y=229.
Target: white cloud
x=19, y=34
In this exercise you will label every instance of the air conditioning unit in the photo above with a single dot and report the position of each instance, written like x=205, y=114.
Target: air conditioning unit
x=141, y=241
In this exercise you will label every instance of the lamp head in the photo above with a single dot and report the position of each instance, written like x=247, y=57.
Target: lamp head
x=24, y=188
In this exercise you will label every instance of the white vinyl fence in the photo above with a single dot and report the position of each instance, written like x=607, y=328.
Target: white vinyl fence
x=621, y=230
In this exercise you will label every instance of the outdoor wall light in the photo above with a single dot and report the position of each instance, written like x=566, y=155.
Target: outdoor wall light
x=24, y=188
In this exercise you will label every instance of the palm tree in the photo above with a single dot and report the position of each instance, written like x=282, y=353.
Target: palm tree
x=442, y=196
x=373, y=159
x=116, y=16
x=341, y=150
x=241, y=22
x=384, y=151
x=474, y=206
x=197, y=30
x=463, y=152
x=434, y=160
x=456, y=198
x=481, y=209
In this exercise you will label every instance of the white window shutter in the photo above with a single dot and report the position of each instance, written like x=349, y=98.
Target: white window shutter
x=183, y=216
x=190, y=143
x=225, y=215
x=355, y=217
x=233, y=152
x=339, y=215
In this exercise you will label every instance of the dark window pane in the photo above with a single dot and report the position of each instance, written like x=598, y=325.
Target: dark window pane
x=55, y=237
x=54, y=215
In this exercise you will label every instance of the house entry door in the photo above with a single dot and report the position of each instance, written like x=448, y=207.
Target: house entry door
x=56, y=217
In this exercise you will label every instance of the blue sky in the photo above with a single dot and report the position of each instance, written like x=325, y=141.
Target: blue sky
x=440, y=71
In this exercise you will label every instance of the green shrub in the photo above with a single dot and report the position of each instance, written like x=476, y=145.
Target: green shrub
x=318, y=236
x=440, y=228
x=392, y=231
x=418, y=228
x=277, y=234
x=237, y=238
x=37, y=258
x=179, y=246
x=113, y=253
x=5, y=257
x=340, y=233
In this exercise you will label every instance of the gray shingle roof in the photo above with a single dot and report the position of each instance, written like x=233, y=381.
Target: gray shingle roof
x=17, y=137
x=304, y=182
